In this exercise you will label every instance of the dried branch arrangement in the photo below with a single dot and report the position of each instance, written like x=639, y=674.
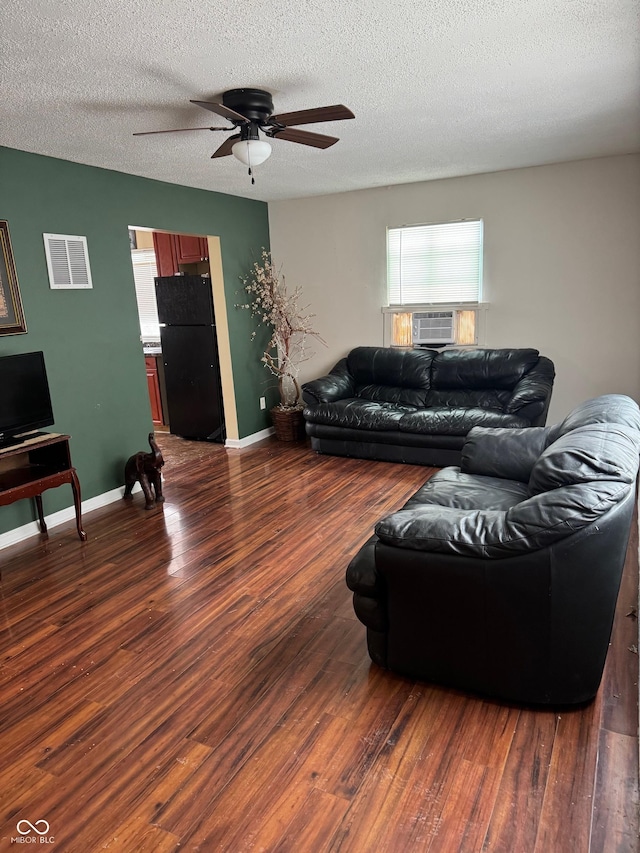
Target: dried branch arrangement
x=290, y=324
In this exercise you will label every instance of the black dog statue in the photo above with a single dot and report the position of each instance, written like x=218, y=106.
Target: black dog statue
x=145, y=468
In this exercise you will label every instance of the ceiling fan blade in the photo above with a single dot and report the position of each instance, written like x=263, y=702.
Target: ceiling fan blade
x=221, y=110
x=337, y=112
x=225, y=148
x=179, y=130
x=316, y=140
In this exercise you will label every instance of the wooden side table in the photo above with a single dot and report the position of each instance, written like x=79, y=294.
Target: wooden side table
x=37, y=464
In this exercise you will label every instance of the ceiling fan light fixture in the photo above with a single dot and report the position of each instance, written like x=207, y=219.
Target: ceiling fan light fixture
x=251, y=152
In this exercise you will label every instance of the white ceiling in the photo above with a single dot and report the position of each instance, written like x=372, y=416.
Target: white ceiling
x=438, y=88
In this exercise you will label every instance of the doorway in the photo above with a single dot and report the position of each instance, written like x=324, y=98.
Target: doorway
x=184, y=258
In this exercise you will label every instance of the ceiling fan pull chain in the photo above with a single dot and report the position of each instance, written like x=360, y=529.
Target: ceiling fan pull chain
x=250, y=171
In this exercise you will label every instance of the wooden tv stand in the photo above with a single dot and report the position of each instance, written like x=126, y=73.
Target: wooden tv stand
x=35, y=465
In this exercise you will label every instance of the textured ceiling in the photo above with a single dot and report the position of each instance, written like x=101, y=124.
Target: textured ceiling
x=442, y=88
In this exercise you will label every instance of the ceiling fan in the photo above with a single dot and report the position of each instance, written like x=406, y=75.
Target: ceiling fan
x=250, y=112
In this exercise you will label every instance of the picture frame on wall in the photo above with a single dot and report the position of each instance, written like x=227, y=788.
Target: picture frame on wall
x=12, y=320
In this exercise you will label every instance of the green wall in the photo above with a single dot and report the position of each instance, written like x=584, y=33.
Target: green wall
x=91, y=338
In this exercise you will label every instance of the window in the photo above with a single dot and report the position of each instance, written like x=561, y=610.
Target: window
x=144, y=272
x=435, y=264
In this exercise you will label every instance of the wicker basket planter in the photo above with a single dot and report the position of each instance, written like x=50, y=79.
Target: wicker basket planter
x=288, y=424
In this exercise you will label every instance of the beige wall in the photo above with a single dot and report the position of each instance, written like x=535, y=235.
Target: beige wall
x=561, y=265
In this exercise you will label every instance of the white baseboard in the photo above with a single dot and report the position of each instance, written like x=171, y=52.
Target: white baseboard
x=238, y=443
x=19, y=534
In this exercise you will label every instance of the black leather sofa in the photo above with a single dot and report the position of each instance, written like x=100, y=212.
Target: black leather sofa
x=501, y=576
x=417, y=405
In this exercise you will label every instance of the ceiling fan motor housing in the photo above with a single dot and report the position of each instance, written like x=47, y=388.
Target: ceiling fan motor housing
x=255, y=104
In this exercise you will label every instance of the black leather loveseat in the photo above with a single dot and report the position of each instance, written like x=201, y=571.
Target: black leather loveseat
x=417, y=405
x=501, y=576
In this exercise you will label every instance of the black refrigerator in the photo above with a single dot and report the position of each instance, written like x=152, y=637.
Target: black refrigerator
x=190, y=356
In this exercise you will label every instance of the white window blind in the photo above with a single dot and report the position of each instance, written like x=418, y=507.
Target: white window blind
x=144, y=272
x=429, y=264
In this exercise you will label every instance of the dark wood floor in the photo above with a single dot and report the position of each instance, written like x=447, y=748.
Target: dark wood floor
x=194, y=678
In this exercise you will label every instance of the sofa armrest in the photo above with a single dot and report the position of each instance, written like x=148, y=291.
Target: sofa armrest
x=535, y=523
x=443, y=529
x=531, y=396
x=337, y=385
x=506, y=453
x=368, y=587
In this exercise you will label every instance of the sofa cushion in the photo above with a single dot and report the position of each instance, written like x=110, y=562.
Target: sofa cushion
x=469, y=398
x=393, y=394
x=441, y=419
x=587, y=454
x=506, y=453
x=482, y=368
x=450, y=487
x=391, y=375
x=356, y=413
x=404, y=368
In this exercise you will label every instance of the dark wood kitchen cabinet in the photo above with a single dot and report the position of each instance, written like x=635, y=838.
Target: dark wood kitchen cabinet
x=153, y=384
x=164, y=246
x=190, y=250
x=175, y=249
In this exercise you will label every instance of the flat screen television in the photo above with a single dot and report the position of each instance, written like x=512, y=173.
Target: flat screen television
x=25, y=402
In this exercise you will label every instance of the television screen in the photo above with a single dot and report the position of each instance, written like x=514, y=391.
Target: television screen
x=25, y=403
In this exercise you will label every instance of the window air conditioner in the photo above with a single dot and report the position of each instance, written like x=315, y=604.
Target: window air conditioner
x=433, y=327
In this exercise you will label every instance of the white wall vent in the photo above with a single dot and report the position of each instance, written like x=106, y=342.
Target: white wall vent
x=433, y=327
x=67, y=261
